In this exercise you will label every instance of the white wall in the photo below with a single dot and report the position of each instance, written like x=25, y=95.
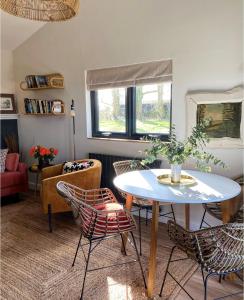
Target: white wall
x=203, y=37
x=7, y=72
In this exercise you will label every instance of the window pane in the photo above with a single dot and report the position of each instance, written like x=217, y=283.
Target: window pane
x=111, y=110
x=153, y=108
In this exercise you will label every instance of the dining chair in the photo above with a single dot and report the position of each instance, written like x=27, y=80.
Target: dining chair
x=99, y=216
x=215, y=210
x=218, y=251
x=125, y=166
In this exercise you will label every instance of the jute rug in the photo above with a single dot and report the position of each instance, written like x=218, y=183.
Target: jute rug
x=36, y=264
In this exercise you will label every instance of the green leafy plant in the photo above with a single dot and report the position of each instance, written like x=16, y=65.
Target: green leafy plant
x=177, y=152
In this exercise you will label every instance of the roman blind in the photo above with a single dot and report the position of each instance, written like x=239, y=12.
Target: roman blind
x=132, y=75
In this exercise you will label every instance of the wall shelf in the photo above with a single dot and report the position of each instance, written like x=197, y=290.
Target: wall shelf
x=38, y=107
x=42, y=82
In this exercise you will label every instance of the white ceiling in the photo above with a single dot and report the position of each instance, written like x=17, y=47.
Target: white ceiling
x=16, y=30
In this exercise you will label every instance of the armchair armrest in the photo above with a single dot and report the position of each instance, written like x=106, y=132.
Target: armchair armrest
x=22, y=167
x=51, y=171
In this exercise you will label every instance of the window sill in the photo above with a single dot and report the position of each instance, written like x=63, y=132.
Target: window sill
x=116, y=140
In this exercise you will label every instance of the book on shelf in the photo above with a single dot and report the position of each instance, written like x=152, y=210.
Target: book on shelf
x=36, y=81
x=38, y=106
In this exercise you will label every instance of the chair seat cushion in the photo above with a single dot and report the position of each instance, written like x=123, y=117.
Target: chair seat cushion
x=10, y=179
x=108, y=223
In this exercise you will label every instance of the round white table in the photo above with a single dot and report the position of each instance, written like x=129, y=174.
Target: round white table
x=207, y=188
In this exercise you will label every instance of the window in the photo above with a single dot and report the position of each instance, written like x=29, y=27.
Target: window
x=132, y=112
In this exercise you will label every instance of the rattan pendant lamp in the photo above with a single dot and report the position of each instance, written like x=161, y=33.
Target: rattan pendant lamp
x=41, y=10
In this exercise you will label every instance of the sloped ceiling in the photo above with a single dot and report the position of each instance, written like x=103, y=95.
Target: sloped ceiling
x=16, y=30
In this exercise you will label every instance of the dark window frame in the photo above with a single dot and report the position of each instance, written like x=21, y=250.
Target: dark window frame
x=130, y=118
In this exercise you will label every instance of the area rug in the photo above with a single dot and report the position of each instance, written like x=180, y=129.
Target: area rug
x=36, y=264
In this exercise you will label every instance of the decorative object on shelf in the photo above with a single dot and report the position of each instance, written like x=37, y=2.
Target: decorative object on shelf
x=39, y=82
x=44, y=107
x=183, y=180
x=7, y=104
x=177, y=152
x=72, y=114
x=39, y=10
x=43, y=154
x=226, y=109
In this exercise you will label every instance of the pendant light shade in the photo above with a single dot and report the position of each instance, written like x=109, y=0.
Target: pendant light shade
x=41, y=10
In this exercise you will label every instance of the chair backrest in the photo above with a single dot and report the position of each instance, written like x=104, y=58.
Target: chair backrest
x=125, y=166
x=85, y=205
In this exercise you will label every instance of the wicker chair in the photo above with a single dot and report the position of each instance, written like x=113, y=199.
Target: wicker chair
x=218, y=250
x=125, y=166
x=214, y=209
x=99, y=216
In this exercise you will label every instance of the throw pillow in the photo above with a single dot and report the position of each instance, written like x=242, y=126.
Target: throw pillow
x=76, y=166
x=12, y=162
x=3, y=155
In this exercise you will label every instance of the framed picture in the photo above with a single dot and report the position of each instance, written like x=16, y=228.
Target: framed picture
x=226, y=112
x=7, y=104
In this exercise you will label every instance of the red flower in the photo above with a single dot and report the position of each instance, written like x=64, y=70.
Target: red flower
x=43, y=151
x=32, y=150
x=55, y=151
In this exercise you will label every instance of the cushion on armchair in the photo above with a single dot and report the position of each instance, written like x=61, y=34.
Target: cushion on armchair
x=76, y=166
x=12, y=162
x=3, y=155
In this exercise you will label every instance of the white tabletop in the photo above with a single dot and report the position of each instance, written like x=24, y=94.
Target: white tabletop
x=208, y=187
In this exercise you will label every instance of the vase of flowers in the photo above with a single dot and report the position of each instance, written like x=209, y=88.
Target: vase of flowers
x=177, y=152
x=43, y=154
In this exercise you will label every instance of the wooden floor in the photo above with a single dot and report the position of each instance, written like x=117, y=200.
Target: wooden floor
x=194, y=285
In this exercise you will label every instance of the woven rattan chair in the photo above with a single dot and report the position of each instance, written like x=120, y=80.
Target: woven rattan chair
x=99, y=216
x=218, y=250
x=125, y=166
x=214, y=209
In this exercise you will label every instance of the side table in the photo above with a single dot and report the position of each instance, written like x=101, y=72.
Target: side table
x=36, y=171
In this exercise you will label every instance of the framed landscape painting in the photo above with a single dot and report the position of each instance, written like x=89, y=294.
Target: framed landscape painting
x=7, y=104
x=225, y=110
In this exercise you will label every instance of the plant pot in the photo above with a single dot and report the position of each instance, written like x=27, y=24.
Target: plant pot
x=175, y=173
x=42, y=163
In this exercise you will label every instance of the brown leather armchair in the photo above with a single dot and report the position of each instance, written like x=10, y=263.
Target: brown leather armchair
x=86, y=179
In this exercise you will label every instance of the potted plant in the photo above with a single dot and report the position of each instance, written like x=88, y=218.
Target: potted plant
x=43, y=154
x=177, y=152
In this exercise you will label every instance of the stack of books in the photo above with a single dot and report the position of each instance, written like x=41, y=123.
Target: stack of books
x=35, y=106
x=36, y=81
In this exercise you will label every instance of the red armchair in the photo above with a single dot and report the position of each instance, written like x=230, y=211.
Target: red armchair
x=15, y=178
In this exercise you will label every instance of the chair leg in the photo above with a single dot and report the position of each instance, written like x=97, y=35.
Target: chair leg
x=139, y=260
x=166, y=271
x=140, y=230
x=206, y=286
x=173, y=212
x=49, y=208
x=123, y=243
x=203, y=217
x=77, y=249
x=84, y=279
x=220, y=278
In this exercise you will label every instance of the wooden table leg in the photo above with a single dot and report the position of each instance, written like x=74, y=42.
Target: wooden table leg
x=153, y=250
x=187, y=216
x=128, y=205
x=226, y=215
x=226, y=211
